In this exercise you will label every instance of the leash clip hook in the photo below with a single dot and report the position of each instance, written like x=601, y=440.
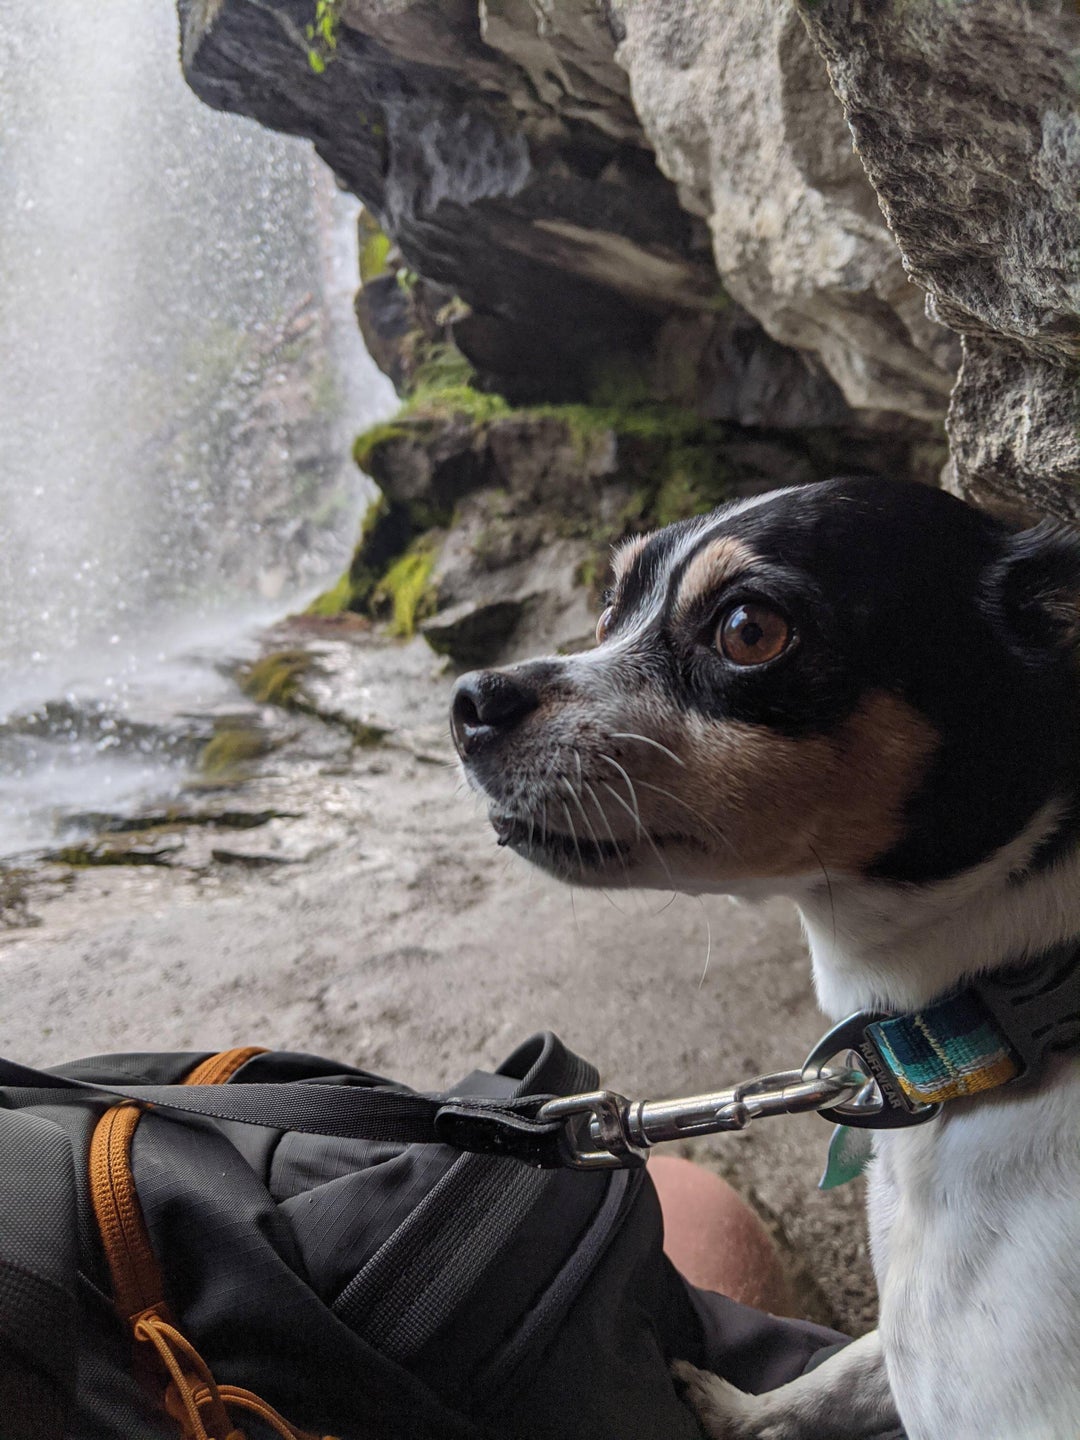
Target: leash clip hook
x=603, y=1130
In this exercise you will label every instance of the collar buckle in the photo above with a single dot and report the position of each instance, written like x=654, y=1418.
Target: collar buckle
x=1036, y=1007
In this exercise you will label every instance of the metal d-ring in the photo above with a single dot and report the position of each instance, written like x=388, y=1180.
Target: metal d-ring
x=879, y=1103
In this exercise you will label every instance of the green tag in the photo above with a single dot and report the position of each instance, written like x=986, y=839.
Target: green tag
x=850, y=1150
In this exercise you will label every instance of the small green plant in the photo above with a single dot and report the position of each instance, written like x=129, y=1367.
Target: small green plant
x=375, y=246
x=275, y=679
x=334, y=601
x=406, y=589
x=322, y=34
x=369, y=441
x=231, y=750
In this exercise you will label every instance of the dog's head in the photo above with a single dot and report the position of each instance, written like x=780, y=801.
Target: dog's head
x=860, y=678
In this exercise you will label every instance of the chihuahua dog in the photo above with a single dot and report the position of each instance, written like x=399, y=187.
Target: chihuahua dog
x=865, y=696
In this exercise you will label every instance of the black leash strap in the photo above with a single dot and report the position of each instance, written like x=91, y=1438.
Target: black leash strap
x=486, y=1127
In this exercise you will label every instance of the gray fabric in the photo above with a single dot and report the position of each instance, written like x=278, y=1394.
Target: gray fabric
x=38, y=1261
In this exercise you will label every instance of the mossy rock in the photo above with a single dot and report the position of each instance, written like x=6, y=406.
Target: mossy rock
x=405, y=591
x=275, y=679
x=456, y=439
x=232, y=749
x=365, y=444
x=385, y=531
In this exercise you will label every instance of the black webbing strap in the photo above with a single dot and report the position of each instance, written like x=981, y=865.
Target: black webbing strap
x=487, y=1127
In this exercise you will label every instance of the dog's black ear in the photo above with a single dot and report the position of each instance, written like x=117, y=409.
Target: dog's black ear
x=1036, y=587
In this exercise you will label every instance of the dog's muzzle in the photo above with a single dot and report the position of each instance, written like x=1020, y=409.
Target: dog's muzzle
x=486, y=705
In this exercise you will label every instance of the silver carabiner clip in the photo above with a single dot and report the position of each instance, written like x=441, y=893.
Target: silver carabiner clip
x=606, y=1131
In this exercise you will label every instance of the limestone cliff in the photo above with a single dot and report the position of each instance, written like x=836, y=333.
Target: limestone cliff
x=967, y=119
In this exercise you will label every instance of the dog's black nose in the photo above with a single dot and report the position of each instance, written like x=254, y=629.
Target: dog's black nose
x=486, y=703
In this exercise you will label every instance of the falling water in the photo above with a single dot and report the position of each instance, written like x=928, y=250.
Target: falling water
x=179, y=372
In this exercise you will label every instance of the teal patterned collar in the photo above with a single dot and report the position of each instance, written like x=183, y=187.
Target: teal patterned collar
x=996, y=1030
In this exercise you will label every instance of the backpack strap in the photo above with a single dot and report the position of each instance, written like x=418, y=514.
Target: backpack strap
x=361, y=1112
x=192, y=1396
x=219, y=1069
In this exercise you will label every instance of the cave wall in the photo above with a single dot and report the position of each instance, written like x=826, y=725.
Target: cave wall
x=737, y=104
x=967, y=119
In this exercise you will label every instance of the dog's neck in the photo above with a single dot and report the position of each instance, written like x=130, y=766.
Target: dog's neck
x=878, y=946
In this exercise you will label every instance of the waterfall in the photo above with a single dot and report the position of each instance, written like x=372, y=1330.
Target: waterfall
x=179, y=375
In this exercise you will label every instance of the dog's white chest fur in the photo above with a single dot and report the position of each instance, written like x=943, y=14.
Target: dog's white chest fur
x=975, y=1229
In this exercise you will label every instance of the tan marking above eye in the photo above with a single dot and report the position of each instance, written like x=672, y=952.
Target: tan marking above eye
x=713, y=566
x=604, y=623
x=624, y=555
x=750, y=634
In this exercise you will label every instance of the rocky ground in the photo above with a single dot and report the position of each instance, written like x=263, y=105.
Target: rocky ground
x=330, y=887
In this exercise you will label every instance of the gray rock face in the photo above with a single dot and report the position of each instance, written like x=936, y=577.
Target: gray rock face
x=967, y=119
x=738, y=107
x=498, y=143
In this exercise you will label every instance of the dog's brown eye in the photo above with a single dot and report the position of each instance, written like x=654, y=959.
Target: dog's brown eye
x=603, y=625
x=752, y=634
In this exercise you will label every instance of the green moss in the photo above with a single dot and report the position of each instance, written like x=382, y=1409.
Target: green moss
x=335, y=601
x=382, y=534
x=232, y=748
x=406, y=590
x=439, y=367
x=369, y=441
x=375, y=247
x=275, y=679
x=130, y=851
x=373, y=256
x=695, y=480
x=366, y=736
x=437, y=402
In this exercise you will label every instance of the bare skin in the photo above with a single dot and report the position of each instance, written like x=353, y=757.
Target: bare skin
x=714, y=1239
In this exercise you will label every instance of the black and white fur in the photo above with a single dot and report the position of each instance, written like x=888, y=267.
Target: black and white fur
x=907, y=770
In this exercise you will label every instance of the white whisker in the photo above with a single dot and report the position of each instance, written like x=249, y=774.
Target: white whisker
x=573, y=834
x=641, y=831
x=611, y=833
x=692, y=810
x=632, y=735
x=577, y=801
x=708, y=947
x=629, y=789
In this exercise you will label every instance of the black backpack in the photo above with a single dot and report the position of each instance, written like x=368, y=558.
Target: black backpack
x=337, y=1256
